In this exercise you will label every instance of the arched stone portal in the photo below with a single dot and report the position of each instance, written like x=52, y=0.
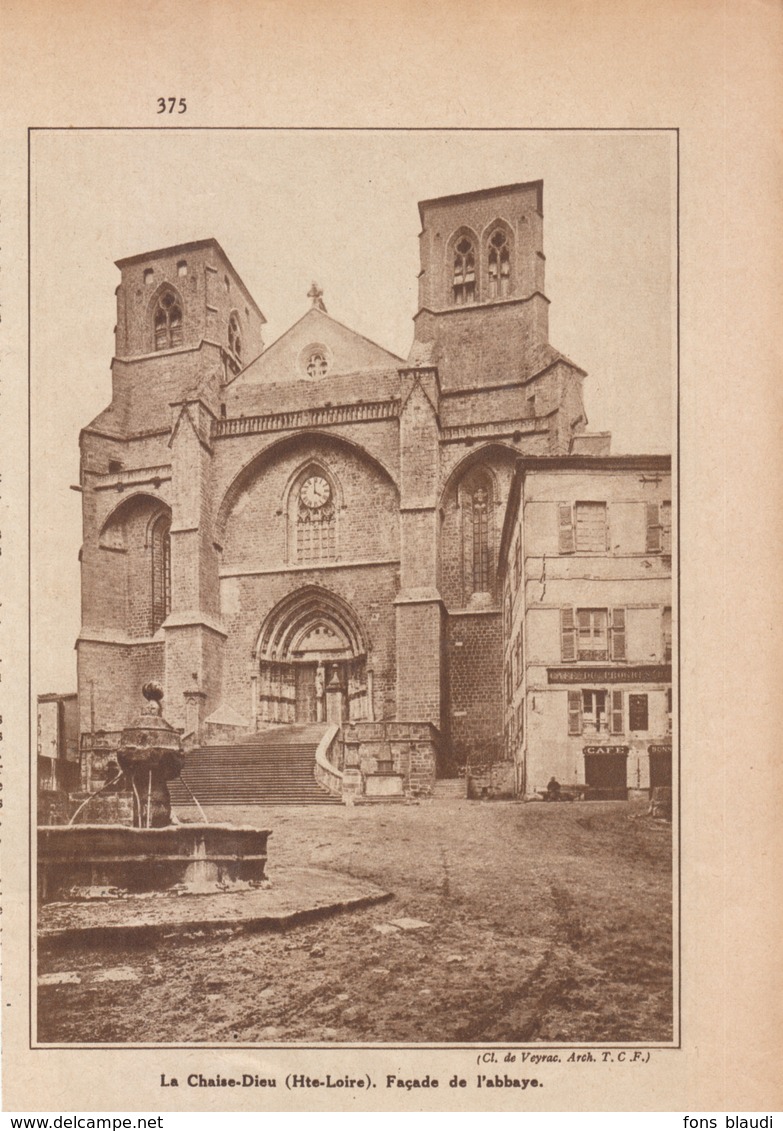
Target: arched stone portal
x=312, y=656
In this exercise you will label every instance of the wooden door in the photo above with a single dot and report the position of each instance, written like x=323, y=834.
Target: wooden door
x=606, y=774
x=660, y=768
x=306, y=709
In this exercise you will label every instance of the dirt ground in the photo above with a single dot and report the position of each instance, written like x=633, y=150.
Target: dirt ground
x=545, y=923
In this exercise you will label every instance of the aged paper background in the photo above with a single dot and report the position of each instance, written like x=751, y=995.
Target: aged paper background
x=713, y=72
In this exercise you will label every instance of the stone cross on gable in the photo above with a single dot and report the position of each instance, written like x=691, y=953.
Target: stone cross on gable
x=317, y=295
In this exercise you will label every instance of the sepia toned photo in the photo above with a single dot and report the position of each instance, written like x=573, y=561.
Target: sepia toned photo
x=354, y=602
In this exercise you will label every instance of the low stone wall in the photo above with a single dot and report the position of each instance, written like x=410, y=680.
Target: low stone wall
x=74, y=861
x=409, y=750
x=53, y=807
x=114, y=807
x=495, y=781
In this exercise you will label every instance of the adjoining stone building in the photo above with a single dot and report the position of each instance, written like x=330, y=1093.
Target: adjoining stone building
x=57, y=745
x=587, y=598
x=309, y=533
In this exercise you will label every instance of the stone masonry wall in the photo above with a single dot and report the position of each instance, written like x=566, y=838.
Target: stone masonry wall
x=111, y=676
x=475, y=667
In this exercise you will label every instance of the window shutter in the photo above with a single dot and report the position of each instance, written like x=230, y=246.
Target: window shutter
x=567, y=636
x=653, y=529
x=574, y=712
x=616, y=717
x=666, y=528
x=618, y=634
x=566, y=542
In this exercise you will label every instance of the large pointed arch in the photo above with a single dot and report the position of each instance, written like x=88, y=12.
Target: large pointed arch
x=304, y=612
x=256, y=466
x=137, y=566
x=113, y=526
x=489, y=455
x=471, y=509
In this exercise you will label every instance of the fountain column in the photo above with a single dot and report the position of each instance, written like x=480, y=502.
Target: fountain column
x=150, y=755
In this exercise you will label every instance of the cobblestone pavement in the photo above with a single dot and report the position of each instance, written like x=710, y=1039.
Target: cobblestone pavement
x=530, y=923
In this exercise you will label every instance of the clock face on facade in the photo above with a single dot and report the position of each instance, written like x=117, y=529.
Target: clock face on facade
x=315, y=492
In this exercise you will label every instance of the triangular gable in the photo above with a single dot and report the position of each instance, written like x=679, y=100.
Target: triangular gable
x=316, y=332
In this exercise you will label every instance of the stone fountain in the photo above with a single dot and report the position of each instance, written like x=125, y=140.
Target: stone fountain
x=84, y=861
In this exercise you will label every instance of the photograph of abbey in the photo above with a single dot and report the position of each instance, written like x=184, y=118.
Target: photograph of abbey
x=388, y=603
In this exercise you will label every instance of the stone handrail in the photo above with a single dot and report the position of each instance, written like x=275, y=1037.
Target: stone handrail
x=131, y=477
x=327, y=774
x=306, y=417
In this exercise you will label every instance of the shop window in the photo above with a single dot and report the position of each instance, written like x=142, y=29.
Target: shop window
x=659, y=528
x=464, y=280
x=668, y=710
x=168, y=322
x=161, y=571
x=638, y=712
x=499, y=265
x=582, y=528
x=592, y=634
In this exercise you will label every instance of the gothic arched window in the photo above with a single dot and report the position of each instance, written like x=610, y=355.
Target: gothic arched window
x=479, y=504
x=160, y=542
x=477, y=533
x=314, y=514
x=499, y=265
x=464, y=282
x=234, y=337
x=167, y=322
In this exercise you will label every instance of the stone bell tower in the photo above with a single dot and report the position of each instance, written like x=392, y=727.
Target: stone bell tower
x=482, y=307
x=186, y=324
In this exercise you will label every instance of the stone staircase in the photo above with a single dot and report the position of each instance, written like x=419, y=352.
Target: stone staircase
x=272, y=767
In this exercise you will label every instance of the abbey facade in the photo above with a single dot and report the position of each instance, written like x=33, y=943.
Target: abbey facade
x=309, y=531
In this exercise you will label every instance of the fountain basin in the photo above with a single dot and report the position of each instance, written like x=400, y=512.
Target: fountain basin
x=80, y=861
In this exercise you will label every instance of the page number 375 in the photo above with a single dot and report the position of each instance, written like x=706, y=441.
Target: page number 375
x=172, y=105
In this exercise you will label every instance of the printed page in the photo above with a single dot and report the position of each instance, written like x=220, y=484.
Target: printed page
x=389, y=541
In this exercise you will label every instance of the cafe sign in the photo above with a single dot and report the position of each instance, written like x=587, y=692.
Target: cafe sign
x=606, y=750
x=647, y=673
